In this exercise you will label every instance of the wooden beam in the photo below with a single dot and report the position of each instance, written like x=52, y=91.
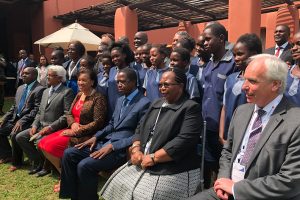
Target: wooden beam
x=143, y=6
x=192, y=8
x=223, y=1
x=136, y=5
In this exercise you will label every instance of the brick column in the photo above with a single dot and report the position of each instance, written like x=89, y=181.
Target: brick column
x=243, y=17
x=126, y=23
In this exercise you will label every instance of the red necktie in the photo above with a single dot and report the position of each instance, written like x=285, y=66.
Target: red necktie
x=277, y=52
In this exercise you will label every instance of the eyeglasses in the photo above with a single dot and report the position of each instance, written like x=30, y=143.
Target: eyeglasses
x=167, y=85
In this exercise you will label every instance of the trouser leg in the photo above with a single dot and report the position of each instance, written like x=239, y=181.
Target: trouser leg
x=88, y=169
x=213, y=150
x=69, y=179
x=5, y=148
x=205, y=195
x=17, y=153
x=28, y=147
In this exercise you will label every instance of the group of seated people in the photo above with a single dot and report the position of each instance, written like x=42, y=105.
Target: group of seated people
x=139, y=115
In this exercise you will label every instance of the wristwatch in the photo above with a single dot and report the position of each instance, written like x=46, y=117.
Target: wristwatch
x=152, y=156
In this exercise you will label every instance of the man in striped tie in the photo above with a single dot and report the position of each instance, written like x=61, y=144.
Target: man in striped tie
x=261, y=159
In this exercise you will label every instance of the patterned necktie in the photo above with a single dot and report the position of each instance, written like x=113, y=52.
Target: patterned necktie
x=277, y=51
x=124, y=105
x=23, y=99
x=253, y=137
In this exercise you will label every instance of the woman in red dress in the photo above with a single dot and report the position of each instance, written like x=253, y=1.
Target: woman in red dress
x=87, y=116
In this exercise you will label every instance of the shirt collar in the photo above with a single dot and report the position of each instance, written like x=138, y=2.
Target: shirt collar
x=227, y=56
x=132, y=95
x=30, y=85
x=163, y=69
x=56, y=87
x=282, y=46
x=270, y=107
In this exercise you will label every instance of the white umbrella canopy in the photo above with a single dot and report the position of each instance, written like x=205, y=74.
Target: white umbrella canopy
x=65, y=35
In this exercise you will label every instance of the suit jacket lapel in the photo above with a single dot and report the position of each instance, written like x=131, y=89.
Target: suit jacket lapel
x=117, y=112
x=274, y=121
x=55, y=93
x=284, y=52
x=128, y=108
x=19, y=95
x=30, y=92
x=28, y=96
x=240, y=129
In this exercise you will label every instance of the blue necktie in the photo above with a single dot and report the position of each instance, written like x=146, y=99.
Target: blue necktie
x=23, y=99
x=124, y=105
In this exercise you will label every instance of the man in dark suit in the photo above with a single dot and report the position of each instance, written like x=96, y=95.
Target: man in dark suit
x=21, y=65
x=107, y=149
x=282, y=49
x=20, y=117
x=56, y=102
x=261, y=159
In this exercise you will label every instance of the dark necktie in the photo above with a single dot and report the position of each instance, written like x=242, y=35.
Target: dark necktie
x=124, y=105
x=277, y=51
x=253, y=137
x=23, y=99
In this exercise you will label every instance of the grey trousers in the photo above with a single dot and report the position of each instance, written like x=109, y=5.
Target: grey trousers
x=28, y=147
x=207, y=195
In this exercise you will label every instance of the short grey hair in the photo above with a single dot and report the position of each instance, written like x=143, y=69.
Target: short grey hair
x=276, y=69
x=59, y=70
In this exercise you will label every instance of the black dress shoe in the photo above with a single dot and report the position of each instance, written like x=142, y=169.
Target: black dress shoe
x=43, y=172
x=35, y=170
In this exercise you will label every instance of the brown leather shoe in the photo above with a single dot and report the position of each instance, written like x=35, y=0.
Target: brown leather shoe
x=5, y=160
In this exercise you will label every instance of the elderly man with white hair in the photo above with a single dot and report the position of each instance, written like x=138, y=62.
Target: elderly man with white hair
x=55, y=103
x=261, y=159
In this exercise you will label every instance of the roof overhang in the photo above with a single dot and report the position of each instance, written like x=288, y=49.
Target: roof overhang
x=153, y=14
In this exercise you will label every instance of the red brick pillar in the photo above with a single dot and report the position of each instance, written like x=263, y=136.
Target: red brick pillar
x=243, y=17
x=126, y=23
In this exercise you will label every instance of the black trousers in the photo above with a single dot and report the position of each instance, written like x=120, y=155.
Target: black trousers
x=213, y=150
x=79, y=176
x=13, y=150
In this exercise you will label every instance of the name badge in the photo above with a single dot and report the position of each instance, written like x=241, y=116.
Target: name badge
x=238, y=172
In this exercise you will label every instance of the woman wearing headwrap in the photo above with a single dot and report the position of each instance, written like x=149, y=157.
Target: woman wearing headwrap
x=164, y=162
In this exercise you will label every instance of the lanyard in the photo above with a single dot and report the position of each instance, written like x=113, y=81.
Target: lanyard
x=70, y=72
x=147, y=148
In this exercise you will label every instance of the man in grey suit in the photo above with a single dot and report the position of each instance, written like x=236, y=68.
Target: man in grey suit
x=282, y=49
x=56, y=102
x=20, y=117
x=261, y=159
